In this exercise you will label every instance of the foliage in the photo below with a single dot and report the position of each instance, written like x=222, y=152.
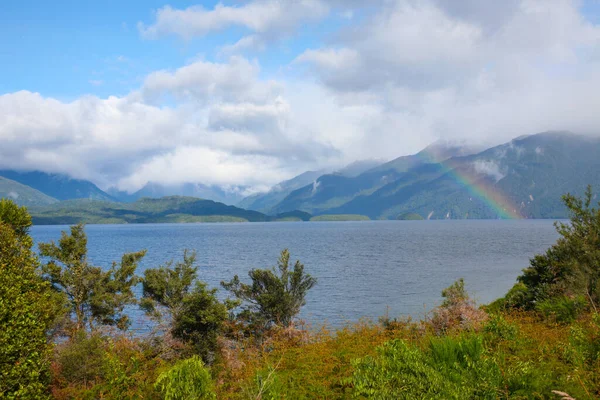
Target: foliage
x=517, y=295
x=28, y=309
x=275, y=295
x=449, y=368
x=193, y=312
x=18, y=219
x=81, y=358
x=457, y=311
x=188, y=379
x=165, y=287
x=569, y=268
x=562, y=309
x=91, y=365
x=95, y=296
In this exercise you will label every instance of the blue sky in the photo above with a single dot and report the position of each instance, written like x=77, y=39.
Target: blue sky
x=68, y=48
x=244, y=94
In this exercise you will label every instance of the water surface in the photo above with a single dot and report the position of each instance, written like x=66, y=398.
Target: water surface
x=363, y=268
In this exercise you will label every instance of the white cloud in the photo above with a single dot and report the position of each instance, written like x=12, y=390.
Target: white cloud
x=235, y=80
x=268, y=19
x=490, y=168
x=391, y=81
x=470, y=69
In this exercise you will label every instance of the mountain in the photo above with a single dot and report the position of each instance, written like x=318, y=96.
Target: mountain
x=156, y=191
x=525, y=177
x=334, y=190
x=58, y=186
x=22, y=194
x=146, y=210
x=264, y=202
x=357, y=167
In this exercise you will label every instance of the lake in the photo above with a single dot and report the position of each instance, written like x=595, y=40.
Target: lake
x=363, y=268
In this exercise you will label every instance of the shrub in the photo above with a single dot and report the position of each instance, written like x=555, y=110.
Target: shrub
x=562, y=309
x=571, y=266
x=188, y=379
x=80, y=359
x=28, y=310
x=449, y=368
x=191, y=310
x=499, y=328
x=94, y=296
x=275, y=296
x=457, y=311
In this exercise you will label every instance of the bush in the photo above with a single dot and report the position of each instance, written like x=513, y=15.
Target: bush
x=80, y=359
x=172, y=294
x=500, y=329
x=516, y=296
x=449, y=368
x=457, y=311
x=562, y=309
x=28, y=310
x=95, y=296
x=188, y=379
x=570, y=268
x=275, y=296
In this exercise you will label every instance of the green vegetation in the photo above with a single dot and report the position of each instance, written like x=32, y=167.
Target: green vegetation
x=188, y=379
x=542, y=340
x=410, y=217
x=340, y=217
x=192, y=311
x=28, y=310
x=174, y=209
x=275, y=295
x=94, y=296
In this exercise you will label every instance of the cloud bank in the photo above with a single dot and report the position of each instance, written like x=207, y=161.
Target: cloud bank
x=395, y=77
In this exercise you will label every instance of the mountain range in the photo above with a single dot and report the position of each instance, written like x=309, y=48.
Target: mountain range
x=525, y=177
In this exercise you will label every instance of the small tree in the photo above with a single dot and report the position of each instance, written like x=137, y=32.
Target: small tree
x=28, y=309
x=172, y=294
x=571, y=267
x=95, y=296
x=188, y=379
x=275, y=295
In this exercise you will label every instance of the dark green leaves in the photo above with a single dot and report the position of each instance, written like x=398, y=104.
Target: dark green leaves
x=95, y=296
x=275, y=295
x=193, y=313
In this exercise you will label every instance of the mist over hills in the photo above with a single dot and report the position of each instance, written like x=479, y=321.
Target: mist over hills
x=155, y=190
x=525, y=177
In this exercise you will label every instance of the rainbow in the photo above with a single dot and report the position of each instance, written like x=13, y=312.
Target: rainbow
x=497, y=201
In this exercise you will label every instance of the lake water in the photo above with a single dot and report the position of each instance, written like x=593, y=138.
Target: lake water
x=363, y=268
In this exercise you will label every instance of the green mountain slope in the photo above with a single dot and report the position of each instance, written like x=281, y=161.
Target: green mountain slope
x=264, y=202
x=22, y=194
x=334, y=190
x=168, y=209
x=525, y=177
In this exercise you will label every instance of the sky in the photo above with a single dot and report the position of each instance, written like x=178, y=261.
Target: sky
x=249, y=93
